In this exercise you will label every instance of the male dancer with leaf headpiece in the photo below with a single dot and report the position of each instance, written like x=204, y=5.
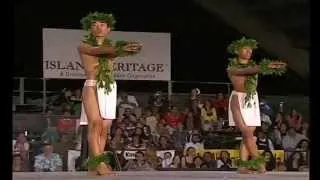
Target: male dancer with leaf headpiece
x=100, y=89
x=244, y=110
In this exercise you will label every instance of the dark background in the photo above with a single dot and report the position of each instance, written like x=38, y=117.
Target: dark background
x=199, y=39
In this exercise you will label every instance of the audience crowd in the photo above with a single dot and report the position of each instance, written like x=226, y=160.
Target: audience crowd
x=164, y=136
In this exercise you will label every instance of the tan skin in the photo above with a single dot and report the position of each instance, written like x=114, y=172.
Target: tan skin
x=238, y=77
x=98, y=128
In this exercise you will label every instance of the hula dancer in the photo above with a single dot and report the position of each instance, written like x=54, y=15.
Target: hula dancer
x=100, y=89
x=244, y=110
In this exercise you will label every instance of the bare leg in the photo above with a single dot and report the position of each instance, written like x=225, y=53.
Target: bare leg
x=247, y=132
x=248, y=145
x=91, y=106
x=95, y=121
x=106, y=127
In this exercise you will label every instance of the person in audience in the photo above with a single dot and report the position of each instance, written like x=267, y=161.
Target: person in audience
x=164, y=143
x=48, y=161
x=295, y=119
x=197, y=162
x=263, y=142
x=224, y=161
x=127, y=101
x=221, y=105
x=151, y=121
x=270, y=160
x=139, y=164
x=209, y=160
x=188, y=160
x=176, y=162
x=208, y=116
x=22, y=148
x=291, y=140
x=173, y=119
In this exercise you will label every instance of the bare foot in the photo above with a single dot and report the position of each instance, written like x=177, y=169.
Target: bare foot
x=104, y=169
x=262, y=169
x=92, y=173
x=243, y=170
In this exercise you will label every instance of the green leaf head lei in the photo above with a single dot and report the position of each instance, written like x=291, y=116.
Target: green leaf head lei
x=237, y=45
x=91, y=18
x=252, y=81
x=105, y=75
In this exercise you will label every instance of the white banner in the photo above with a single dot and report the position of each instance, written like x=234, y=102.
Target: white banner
x=61, y=59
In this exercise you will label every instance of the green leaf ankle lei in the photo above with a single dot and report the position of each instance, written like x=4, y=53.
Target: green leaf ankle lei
x=105, y=75
x=106, y=157
x=253, y=164
x=252, y=81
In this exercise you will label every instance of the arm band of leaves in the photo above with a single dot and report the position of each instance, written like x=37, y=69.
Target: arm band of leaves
x=266, y=70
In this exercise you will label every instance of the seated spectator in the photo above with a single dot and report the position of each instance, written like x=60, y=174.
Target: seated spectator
x=136, y=143
x=159, y=101
x=208, y=116
x=22, y=148
x=176, y=162
x=164, y=143
x=291, y=140
x=263, y=142
x=139, y=164
x=128, y=115
x=296, y=162
x=151, y=121
x=279, y=119
x=270, y=160
x=295, y=119
x=117, y=141
x=196, y=142
x=173, y=119
x=209, y=160
x=187, y=161
x=303, y=145
x=48, y=161
x=265, y=118
x=66, y=142
x=126, y=101
x=221, y=105
x=197, y=162
x=162, y=128
x=224, y=161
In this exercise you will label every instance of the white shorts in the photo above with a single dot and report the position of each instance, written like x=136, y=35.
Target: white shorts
x=107, y=102
x=250, y=115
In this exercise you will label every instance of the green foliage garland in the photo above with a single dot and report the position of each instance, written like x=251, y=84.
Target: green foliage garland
x=97, y=16
x=106, y=157
x=105, y=75
x=235, y=46
x=253, y=164
x=252, y=81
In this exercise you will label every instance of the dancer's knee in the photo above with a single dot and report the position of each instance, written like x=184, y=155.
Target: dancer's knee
x=95, y=123
x=247, y=134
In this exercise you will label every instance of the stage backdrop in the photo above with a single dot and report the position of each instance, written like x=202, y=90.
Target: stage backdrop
x=61, y=59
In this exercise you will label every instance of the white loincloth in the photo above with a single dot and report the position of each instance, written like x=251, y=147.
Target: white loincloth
x=107, y=103
x=250, y=115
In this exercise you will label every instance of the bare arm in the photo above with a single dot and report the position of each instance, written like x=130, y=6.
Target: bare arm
x=244, y=71
x=94, y=51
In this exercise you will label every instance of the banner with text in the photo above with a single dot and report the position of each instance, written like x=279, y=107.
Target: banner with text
x=62, y=61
